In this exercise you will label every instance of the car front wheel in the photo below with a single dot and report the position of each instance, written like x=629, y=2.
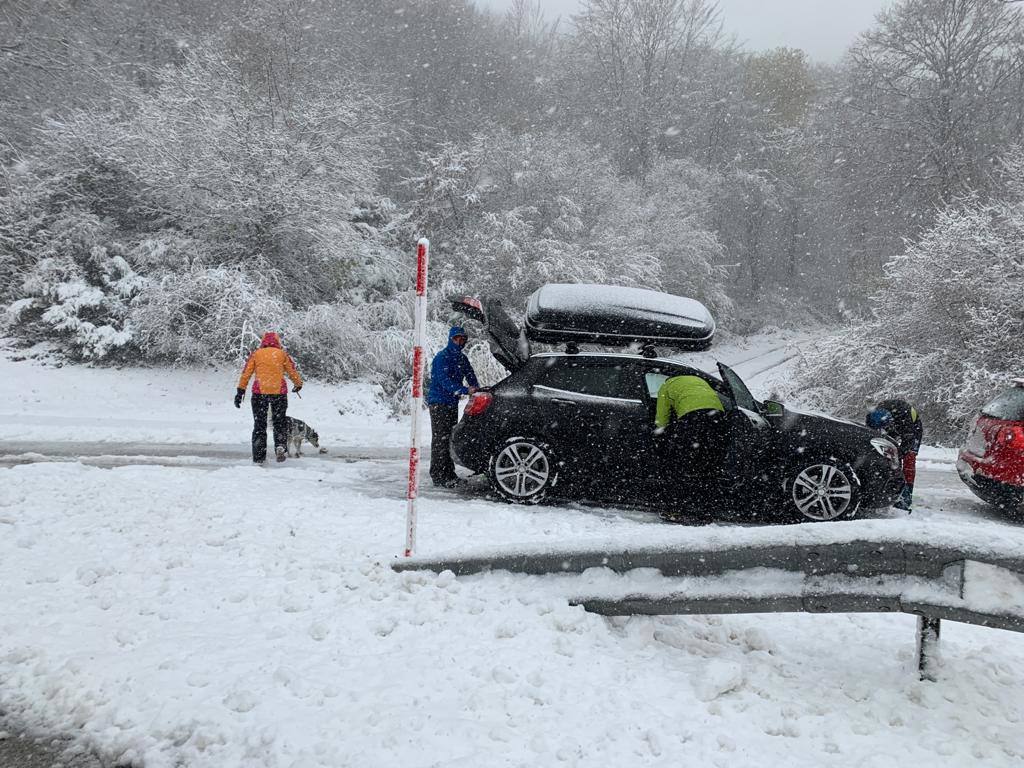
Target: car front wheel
x=822, y=491
x=523, y=470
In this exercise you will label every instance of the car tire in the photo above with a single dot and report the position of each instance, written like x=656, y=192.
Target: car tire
x=821, y=490
x=523, y=470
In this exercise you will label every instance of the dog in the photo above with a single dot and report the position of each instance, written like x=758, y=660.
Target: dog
x=299, y=431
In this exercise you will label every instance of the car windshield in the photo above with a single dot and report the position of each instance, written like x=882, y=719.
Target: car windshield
x=1009, y=406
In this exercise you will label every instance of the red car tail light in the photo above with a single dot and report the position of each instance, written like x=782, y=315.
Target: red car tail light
x=1012, y=435
x=478, y=403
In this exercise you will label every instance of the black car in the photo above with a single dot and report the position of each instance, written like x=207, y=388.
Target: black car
x=582, y=424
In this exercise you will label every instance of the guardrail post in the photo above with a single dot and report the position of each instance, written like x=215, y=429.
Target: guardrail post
x=928, y=631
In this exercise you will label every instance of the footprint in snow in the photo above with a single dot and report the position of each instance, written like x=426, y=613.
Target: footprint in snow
x=717, y=679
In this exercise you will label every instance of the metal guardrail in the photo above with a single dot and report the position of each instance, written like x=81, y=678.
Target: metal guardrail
x=878, y=577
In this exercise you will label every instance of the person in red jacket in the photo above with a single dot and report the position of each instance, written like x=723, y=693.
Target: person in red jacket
x=270, y=364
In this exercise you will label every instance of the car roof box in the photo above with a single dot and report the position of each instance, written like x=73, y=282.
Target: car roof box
x=617, y=316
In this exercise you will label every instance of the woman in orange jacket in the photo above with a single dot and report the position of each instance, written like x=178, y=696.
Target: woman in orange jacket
x=270, y=364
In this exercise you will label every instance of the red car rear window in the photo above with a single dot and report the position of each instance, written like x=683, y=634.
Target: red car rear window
x=1008, y=406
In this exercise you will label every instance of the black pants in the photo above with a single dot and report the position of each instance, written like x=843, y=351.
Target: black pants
x=697, y=444
x=443, y=419
x=278, y=405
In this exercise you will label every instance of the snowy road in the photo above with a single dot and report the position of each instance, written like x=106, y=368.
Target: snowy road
x=106, y=454
x=940, y=493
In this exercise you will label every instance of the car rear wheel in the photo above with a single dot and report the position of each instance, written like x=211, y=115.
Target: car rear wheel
x=822, y=491
x=523, y=470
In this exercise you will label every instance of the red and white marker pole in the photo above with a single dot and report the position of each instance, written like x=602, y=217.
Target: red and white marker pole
x=418, y=360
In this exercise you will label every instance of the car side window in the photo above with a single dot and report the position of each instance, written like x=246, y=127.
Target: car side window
x=654, y=382
x=595, y=380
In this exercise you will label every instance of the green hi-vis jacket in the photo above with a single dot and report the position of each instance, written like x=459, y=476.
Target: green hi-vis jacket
x=681, y=395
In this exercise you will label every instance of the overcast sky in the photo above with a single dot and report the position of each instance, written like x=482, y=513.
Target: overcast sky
x=823, y=28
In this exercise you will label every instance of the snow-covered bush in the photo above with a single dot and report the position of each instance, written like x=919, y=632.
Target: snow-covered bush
x=197, y=214
x=202, y=314
x=79, y=289
x=344, y=340
x=947, y=327
x=673, y=232
x=251, y=180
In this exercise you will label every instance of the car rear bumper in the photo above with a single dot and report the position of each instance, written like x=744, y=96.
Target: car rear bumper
x=472, y=444
x=990, y=489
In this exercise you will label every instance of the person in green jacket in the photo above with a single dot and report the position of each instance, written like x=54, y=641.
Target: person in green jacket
x=693, y=416
x=681, y=396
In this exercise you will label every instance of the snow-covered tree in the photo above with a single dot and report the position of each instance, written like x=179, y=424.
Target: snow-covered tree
x=509, y=213
x=946, y=327
x=240, y=209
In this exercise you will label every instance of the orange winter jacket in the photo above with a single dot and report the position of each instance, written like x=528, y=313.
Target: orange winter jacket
x=270, y=363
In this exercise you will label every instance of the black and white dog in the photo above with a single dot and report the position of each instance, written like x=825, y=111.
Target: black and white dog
x=299, y=431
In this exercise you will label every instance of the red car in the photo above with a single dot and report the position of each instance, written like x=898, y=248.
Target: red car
x=992, y=462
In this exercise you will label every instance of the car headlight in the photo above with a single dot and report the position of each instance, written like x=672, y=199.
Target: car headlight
x=887, y=449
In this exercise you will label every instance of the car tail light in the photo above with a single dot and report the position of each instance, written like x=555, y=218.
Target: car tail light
x=1012, y=435
x=887, y=449
x=478, y=403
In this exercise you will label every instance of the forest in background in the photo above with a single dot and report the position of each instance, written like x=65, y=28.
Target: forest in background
x=178, y=175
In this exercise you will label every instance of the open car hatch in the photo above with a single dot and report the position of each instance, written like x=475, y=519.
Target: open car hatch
x=506, y=339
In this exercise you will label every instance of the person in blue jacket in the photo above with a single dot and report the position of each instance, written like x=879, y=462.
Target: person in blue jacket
x=451, y=377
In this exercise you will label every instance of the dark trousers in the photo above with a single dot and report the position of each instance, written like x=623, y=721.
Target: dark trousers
x=697, y=444
x=443, y=419
x=278, y=405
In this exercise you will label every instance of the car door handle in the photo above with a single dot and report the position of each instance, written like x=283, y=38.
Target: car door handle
x=563, y=402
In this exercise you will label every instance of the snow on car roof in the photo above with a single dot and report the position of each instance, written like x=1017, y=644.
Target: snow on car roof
x=614, y=300
x=622, y=355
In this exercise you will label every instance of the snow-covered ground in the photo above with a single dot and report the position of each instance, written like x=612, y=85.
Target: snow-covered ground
x=213, y=613
x=163, y=405
x=249, y=617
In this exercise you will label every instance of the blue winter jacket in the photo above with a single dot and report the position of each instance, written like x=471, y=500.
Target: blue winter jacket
x=448, y=371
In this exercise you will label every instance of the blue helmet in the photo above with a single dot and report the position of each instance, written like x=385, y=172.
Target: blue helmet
x=879, y=418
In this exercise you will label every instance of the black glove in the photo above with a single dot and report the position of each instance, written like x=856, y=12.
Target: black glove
x=296, y=388
x=239, y=394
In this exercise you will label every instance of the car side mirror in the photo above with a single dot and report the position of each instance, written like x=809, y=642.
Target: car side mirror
x=773, y=408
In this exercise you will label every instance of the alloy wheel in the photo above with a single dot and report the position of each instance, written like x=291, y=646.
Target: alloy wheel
x=822, y=492
x=521, y=469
